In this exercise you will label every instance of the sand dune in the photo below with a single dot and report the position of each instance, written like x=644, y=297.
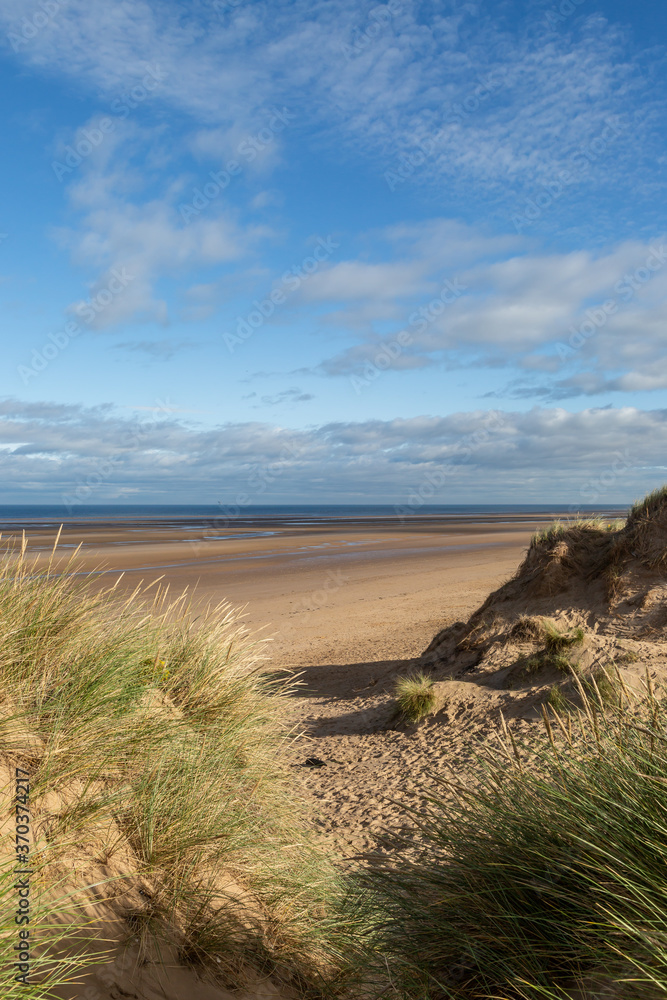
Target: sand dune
x=608, y=583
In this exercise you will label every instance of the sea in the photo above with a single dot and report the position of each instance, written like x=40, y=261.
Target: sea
x=182, y=515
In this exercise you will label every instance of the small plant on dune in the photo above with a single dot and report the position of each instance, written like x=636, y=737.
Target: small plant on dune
x=557, y=699
x=478, y=635
x=615, y=525
x=545, y=660
x=626, y=656
x=526, y=628
x=531, y=666
x=559, y=661
x=556, y=641
x=415, y=696
x=546, y=880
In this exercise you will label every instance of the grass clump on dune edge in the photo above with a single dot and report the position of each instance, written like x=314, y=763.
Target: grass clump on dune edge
x=649, y=505
x=59, y=916
x=156, y=749
x=557, y=530
x=546, y=881
x=555, y=640
x=415, y=696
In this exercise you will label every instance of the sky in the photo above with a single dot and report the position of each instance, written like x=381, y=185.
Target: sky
x=330, y=251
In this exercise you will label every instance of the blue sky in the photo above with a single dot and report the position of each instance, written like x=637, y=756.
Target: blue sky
x=343, y=252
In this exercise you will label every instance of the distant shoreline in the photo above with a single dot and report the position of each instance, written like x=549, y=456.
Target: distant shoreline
x=15, y=517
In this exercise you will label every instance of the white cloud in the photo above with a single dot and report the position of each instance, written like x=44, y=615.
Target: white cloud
x=144, y=241
x=479, y=455
x=354, y=280
x=531, y=312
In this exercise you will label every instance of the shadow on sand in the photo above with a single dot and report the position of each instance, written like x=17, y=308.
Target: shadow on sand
x=349, y=681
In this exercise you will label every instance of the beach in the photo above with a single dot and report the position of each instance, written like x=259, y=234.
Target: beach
x=327, y=591
x=347, y=605
x=341, y=610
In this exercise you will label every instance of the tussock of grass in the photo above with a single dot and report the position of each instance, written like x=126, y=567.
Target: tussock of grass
x=559, y=661
x=555, y=640
x=57, y=917
x=557, y=699
x=626, y=656
x=415, y=696
x=153, y=737
x=477, y=636
x=650, y=505
x=603, y=687
x=526, y=628
x=557, y=651
x=547, y=879
x=550, y=535
x=555, y=532
x=533, y=665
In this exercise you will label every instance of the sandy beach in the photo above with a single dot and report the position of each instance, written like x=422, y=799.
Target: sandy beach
x=347, y=605
x=332, y=592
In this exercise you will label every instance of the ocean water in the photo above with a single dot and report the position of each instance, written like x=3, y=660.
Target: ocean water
x=34, y=515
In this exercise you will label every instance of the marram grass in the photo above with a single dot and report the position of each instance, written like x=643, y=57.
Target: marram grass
x=415, y=696
x=55, y=916
x=549, y=879
x=555, y=640
x=149, y=732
